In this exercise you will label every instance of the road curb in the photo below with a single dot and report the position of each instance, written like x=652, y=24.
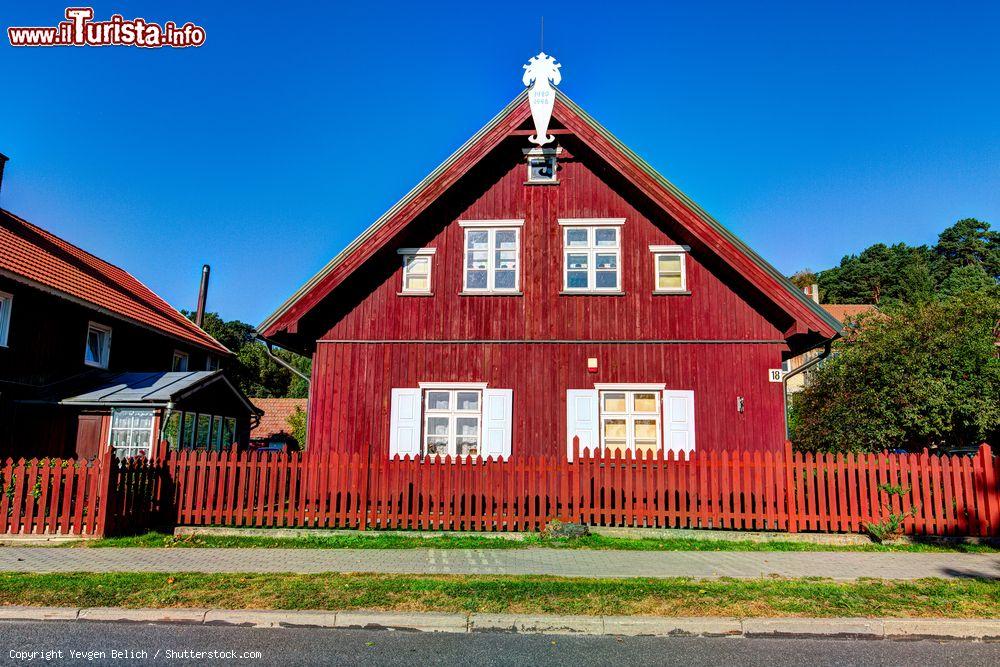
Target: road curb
x=902, y=629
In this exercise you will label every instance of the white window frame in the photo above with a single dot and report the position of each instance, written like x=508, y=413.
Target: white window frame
x=630, y=415
x=152, y=430
x=551, y=159
x=409, y=253
x=452, y=414
x=105, y=350
x=6, y=308
x=592, y=250
x=185, y=359
x=491, y=227
x=672, y=250
x=211, y=362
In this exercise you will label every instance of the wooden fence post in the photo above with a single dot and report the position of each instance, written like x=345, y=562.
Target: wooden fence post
x=790, y=508
x=991, y=494
x=106, y=495
x=365, y=485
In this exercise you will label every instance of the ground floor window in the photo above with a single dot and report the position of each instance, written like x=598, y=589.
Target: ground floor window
x=192, y=430
x=630, y=421
x=452, y=422
x=131, y=432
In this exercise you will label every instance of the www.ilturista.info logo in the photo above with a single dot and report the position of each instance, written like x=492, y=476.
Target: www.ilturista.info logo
x=79, y=29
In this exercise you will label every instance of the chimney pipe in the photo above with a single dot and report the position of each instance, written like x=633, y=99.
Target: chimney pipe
x=199, y=317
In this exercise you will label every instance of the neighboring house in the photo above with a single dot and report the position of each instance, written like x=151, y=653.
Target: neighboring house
x=846, y=313
x=71, y=325
x=274, y=430
x=519, y=297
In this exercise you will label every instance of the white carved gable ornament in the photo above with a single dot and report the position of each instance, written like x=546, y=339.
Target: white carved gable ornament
x=541, y=73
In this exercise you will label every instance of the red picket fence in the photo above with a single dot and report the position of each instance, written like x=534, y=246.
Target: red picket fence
x=777, y=491
x=946, y=495
x=77, y=497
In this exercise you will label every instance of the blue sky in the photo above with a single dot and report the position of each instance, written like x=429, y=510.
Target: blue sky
x=810, y=129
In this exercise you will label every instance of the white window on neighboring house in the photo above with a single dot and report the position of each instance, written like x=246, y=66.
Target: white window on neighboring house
x=630, y=421
x=669, y=269
x=98, y=345
x=492, y=257
x=416, y=270
x=591, y=255
x=180, y=362
x=6, y=305
x=131, y=432
x=452, y=422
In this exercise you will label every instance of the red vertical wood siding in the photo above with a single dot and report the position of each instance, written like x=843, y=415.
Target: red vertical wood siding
x=724, y=341
x=350, y=393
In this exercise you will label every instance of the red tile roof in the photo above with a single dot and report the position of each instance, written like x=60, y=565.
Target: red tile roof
x=848, y=311
x=34, y=255
x=276, y=414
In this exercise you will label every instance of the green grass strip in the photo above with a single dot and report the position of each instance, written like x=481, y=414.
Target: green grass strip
x=375, y=541
x=510, y=594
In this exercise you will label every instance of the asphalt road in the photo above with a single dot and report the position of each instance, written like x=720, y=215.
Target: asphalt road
x=305, y=646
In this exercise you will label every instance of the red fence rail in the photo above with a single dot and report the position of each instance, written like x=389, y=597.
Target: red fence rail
x=777, y=491
x=781, y=491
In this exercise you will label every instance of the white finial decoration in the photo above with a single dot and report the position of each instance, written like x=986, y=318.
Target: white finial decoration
x=541, y=73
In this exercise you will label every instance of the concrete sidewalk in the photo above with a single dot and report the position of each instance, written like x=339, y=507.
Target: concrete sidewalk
x=554, y=562
x=657, y=626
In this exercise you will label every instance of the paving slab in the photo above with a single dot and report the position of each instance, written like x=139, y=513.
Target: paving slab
x=176, y=615
x=18, y=613
x=537, y=623
x=592, y=563
x=858, y=628
x=634, y=626
x=422, y=621
x=267, y=618
x=949, y=628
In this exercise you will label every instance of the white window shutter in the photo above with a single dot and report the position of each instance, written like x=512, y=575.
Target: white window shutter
x=581, y=420
x=498, y=410
x=678, y=420
x=404, y=423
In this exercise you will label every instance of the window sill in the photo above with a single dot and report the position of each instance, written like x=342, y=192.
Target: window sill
x=664, y=292
x=93, y=365
x=414, y=293
x=541, y=182
x=519, y=293
x=582, y=293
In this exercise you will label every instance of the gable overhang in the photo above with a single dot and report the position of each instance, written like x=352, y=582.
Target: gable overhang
x=809, y=322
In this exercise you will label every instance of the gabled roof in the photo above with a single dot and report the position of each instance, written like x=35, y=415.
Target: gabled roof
x=41, y=259
x=276, y=413
x=807, y=315
x=153, y=389
x=848, y=311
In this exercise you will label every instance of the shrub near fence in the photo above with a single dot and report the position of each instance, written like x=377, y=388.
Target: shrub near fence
x=946, y=495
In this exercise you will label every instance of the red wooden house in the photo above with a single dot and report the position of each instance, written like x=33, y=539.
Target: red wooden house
x=519, y=296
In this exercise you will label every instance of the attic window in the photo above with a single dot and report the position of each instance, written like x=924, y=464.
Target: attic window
x=416, y=270
x=180, y=362
x=6, y=301
x=98, y=345
x=542, y=165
